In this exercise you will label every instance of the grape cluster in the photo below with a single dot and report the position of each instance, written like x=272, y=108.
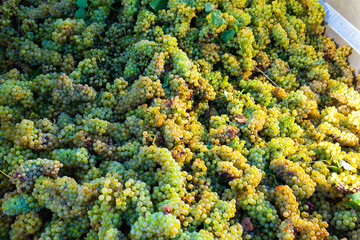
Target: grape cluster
x=167, y=119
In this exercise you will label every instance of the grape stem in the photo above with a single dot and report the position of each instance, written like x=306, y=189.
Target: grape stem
x=5, y=174
x=265, y=75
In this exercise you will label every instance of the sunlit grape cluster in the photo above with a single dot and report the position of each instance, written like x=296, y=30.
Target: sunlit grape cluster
x=166, y=119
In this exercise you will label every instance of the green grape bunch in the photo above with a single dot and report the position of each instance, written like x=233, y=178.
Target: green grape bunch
x=176, y=119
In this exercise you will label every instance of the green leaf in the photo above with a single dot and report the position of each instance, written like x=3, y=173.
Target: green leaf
x=209, y=7
x=354, y=205
x=236, y=28
x=36, y=72
x=355, y=201
x=318, y=62
x=333, y=168
x=112, y=8
x=346, y=165
x=165, y=28
x=237, y=25
x=216, y=18
x=99, y=157
x=157, y=5
x=355, y=197
x=166, y=83
x=227, y=35
x=282, y=57
x=80, y=13
x=271, y=173
x=82, y=3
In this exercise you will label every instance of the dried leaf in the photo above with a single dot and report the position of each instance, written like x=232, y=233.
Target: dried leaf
x=167, y=209
x=346, y=165
x=240, y=118
x=247, y=224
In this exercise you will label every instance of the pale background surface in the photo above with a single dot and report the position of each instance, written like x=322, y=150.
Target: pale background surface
x=350, y=10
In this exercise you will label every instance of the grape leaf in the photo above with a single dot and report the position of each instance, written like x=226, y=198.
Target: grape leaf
x=282, y=57
x=216, y=18
x=355, y=197
x=80, y=13
x=354, y=205
x=355, y=201
x=157, y=5
x=236, y=28
x=237, y=25
x=166, y=83
x=271, y=173
x=318, y=62
x=227, y=35
x=209, y=7
x=333, y=168
x=36, y=72
x=82, y=3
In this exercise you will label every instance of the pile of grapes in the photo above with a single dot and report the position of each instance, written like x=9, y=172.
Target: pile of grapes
x=176, y=119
